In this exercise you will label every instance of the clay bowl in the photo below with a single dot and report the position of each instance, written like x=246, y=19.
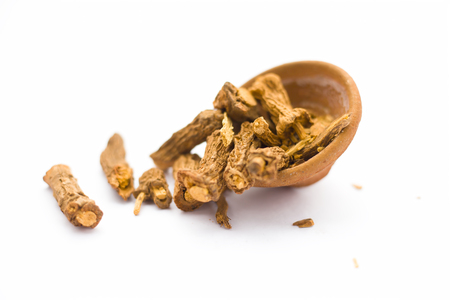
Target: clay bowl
x=322, y=88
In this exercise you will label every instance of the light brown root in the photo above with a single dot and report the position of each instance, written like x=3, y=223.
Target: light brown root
x=76, y=206
x=115, y=167
x=184, y=140
x=86, y=218
x=153, y=186
x=264, y=163
x=304, y=223
x=221, y=214
x=137, y=205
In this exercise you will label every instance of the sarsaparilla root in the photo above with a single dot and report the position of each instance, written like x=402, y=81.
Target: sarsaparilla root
x=237, y=102
x=152, y=186
x=271, y=136
x=290, y=122
x=182, y=200
x=184, y=140
x=221, y=214
x=76, y=206
x=264, y=163
x=206, y=183
x=115, y=167
x=236, y=175
x=324, y=138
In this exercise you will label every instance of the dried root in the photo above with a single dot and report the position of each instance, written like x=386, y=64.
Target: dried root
x=152, y=186
x=116, y=169
x=76, y=206
x=264, y=163
x=183, y=201
x=270, y=91
x=264, y=134
x=279, y=137
x=325, y=138
x=238, y=103
x=206, y=183
x=184, y=140
x=221, y=214
x=304, y=223
x=236, y=174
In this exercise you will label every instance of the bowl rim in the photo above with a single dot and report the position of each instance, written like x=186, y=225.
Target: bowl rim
x=327, y=157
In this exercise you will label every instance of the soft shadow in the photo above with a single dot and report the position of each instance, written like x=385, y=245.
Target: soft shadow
x=265, y=206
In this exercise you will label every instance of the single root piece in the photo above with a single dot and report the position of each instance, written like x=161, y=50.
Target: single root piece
x=116, y=169
x=184, y=140
x=221, y=214
x=76, y=206
x=304, y=223
x=152, y=186
x=264, y=134
x=270, y=91
x=236, y=174
x=325, y=138
x=238, y=103
x=206, y=183
x=264, y=163
x=182, y=198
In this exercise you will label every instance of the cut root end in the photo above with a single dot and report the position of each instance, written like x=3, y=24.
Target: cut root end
x=200, y=194
x=87, y=218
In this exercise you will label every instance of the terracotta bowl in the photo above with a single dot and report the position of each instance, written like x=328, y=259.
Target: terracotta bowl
x=322, y=88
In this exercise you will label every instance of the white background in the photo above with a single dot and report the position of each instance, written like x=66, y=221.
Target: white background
x=72, y=73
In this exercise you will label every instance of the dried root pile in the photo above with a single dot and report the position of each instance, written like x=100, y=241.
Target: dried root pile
x=251, y=136
x=271, y=136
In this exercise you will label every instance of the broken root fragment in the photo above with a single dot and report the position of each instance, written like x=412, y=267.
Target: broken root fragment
x=221, y=214
x=206, y=183
x=264, y=134
x=270, y=91
x=304, y=223
x=76, y=206
x=184, y=140
x=325, y=138
x=152, y=186
x=236, y=174
x=238, y=103
x=183, y=200
x=264, y=163
x=115, y=167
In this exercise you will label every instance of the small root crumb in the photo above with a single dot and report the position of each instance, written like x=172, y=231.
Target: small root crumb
x=356, y=263
x=358, y=187
x=304, y=223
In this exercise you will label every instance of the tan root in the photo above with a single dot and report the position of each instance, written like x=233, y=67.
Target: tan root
x=206, y=183
x=76, y=206
x=152, y=186
x=115, y=167
x=184, y=140
x=304, y=223
x=325, y=138
x=221, y=214
x=236, y=174
x=270, y=91
x=264, y=134
x=182, y=198
x=238, y=103
x=264, y=163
